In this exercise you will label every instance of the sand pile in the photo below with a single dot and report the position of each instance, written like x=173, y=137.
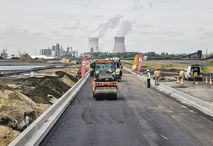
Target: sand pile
x=22, y=100
x=15, y=106
x=17, y=111
x=72, y=71
x=26, y=58
x=61, y=74
x=67, y=81
x=7, y=134
x=67, y=78
x=65, y=60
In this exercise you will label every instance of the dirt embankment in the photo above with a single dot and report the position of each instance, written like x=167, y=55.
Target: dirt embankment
x=22, y=100
x=26, y=58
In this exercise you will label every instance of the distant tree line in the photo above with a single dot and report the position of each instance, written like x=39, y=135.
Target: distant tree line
x=103, y=55
x=163, y=55
x=129, y=55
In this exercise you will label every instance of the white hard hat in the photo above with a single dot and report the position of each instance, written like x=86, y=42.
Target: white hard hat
x=147, y=70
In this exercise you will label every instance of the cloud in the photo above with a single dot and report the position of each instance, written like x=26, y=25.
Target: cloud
x=158, y=33
x=171, y=33
x=75, y=26
x=138, y=4
x=125, y=27
x=207, y=35
x=97, y=16
x=200, y=29
x=104, y=27
x=15, y=32
x=75, y=20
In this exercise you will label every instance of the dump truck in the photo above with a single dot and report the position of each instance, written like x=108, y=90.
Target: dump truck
x=118, y=69
x=104, y=83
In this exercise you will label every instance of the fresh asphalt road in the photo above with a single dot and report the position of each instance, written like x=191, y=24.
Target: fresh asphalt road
x=140, y=116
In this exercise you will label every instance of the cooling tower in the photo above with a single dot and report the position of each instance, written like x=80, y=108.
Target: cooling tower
x=93, y=45
x=119, y=46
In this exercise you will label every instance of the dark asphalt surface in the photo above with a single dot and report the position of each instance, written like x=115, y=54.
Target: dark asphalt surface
x=140, y=116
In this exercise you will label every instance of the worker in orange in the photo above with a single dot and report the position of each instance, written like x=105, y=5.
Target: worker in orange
x=157, y=76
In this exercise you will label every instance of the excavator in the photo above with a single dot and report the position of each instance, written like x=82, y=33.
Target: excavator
x=104, y=82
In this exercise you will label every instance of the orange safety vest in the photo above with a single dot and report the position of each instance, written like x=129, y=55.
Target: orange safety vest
x=157, y=73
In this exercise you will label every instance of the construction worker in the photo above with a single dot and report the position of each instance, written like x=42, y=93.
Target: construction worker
x=157, y=76
x=148, y=78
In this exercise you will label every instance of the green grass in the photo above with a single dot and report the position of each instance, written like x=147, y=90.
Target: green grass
x=207, y=68
x=160, y=65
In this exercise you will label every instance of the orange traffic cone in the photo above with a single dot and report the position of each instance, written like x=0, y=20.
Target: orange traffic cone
x=181, y=82
x=206, y=80
x=177, y=80
x=210, y=82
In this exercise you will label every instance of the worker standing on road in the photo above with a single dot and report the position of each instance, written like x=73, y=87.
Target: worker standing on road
x=148, y=78
x=157, y=76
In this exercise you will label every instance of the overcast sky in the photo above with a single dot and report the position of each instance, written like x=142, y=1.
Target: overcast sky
x=174, y=26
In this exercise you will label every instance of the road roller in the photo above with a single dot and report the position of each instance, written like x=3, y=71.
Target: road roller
x=104, y=82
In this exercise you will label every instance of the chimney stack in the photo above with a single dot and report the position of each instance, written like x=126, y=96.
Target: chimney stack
x=93, y=44
x=119, y=46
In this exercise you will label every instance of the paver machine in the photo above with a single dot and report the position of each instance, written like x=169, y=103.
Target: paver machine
x=104, y=83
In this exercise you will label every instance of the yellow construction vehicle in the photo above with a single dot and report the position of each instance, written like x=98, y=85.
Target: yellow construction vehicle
x=104, y=83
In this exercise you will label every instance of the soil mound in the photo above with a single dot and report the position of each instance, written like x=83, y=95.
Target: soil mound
x=65, y=60
x=3, y=86
x=41, y=60
x=22, y=100
x=67, y=81
x=45, y=88
x=61, y=74
x=26, y=58
x=15, y=107
x=7, y=135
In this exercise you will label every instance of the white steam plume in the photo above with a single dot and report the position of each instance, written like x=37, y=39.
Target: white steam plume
x=110, y=24
x=125, y=27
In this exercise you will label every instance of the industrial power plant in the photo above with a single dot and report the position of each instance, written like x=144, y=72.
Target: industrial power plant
x=119, y=45
x=93, y=44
